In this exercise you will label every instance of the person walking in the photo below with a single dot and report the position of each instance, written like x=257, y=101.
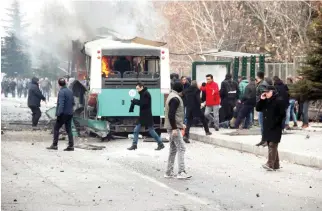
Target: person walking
x=273, y=108
x=146, y=118
x=34, y=98
x=212, y=101
x=174, y=117
x=229, y=93
x=64, y=113
x=193, y=109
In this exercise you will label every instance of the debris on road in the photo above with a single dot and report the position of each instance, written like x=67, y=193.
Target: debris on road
x=89, y=147
x=257, y=194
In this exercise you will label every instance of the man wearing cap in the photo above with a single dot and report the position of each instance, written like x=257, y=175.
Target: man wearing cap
x=274, y=111
x=64, y=113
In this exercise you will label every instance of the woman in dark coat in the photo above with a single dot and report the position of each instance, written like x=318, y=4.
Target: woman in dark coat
x=192, y=97
x=146, y=118
x=274, y=111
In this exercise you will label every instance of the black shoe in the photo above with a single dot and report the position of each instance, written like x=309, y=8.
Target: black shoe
x=208, y=133
x=69, y=149
x=186, y=139
x=160, y=146
x=52, y=147
x=133, y=147
x=261, y=143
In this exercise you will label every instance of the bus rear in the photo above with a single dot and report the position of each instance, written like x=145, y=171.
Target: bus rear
x=121, y=68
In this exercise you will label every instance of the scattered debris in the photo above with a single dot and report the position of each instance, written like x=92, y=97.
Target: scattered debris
x=99, y=187
x=257, y=194
x=187, y=188
x=89, y=147
x=251, y=206
x=310, y=186
x=15, y=200
x=307, y=136
x=15, y=174
x=176, y=194
x=61, y=170
x=32, y=144
x=2, y=132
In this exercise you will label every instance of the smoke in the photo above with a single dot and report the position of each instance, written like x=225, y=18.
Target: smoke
x=61, y=22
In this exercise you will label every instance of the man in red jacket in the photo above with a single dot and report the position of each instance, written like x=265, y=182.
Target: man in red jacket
x=212, y=101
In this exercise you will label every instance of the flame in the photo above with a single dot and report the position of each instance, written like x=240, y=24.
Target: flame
x=105, y=67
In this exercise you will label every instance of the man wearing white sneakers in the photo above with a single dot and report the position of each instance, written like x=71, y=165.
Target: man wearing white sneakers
x=174, y=118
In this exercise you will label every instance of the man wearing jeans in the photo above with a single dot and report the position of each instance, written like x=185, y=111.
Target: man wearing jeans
x=146, y=118
x=212, y=101
x=174, y=117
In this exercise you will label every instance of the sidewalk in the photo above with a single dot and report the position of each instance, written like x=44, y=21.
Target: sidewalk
x=302, y=147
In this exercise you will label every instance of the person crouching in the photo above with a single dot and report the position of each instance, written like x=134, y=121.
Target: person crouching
x=273, y=107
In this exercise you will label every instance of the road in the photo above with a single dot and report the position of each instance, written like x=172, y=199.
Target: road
x=34, y=179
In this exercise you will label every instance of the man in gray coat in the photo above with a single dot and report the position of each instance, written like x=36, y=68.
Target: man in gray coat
x=174, y=118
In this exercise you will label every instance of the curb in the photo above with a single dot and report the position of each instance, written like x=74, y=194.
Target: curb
x=241, y=147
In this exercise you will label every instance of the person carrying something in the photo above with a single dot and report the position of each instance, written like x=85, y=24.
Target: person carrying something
x=34, y=98
x=248, y=102
x=174, y=117
x=273, y=108
x=193, y=109
x=229, y=93
x=212, y=101
x=261, y=82
x=146, y=118
x=64, y=113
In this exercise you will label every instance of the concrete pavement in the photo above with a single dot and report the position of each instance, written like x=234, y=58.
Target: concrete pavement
x=34, y=179
x=302, y=147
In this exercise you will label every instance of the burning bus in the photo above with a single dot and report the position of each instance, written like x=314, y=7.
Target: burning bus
x=112, y=68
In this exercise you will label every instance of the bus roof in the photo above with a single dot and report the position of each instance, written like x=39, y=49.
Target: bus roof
x=109, y=44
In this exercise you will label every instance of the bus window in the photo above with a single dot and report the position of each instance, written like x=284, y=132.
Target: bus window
x=153, y=67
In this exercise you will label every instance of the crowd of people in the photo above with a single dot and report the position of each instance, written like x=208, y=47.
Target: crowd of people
x=230, y=106
x=233, y=105
x=20, y=86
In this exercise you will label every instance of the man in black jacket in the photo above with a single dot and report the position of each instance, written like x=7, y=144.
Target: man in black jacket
x=64, y=113
x=193, y=109
x=146, y=118
x=34, y=98
x=229, y=93
x=248, y=103
x=274, y=112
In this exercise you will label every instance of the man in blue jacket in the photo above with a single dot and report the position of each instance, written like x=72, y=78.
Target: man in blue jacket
x=64, y=113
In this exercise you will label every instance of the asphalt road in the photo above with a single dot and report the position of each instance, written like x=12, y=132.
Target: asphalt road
x=34, y=179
